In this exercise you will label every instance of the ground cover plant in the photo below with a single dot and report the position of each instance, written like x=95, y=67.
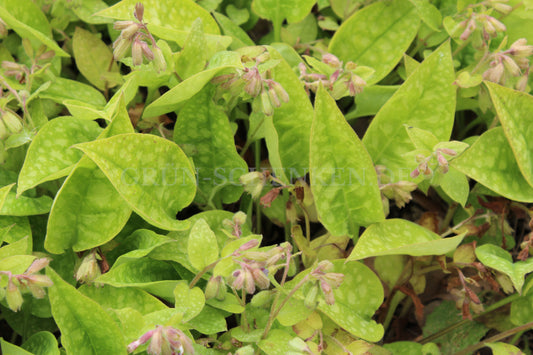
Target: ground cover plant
x=266, y=177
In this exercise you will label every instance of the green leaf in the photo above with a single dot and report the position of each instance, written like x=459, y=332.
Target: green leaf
x=4, y=191
x=151, y=173
x=19, y=227
x=503, y=348
x=122, y=297
x=25, y=18
x=93, y=58
x=499, y=259
x=204, y=127
x=193, y=57
x=20, y=247
x=173, y=14
x=50, y=155
x=87, y=210
x=65, y=89
x=490, y=161
x=11, y=349
x=141, y=243
x=85, y=327
x=384, y=32
x=343, y=180
x=401, y=237
x=202, y=247
x=370, y=101
x=85, y=11
x=188, y=301
x=455, y=185
x=154, y=276
x=278, y=10
x=25, y=206
x=276, y=343
x=426, y=100
x=288, y=130
x=42, y=343
x=209, y=321
x=404, y=348
x=512, y=107
x=428, y=13
x=173, y=99
x=344, y=8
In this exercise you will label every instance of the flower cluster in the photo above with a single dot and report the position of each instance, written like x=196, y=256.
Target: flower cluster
x=326, y=281
x=255, y=267
x=339, y=79
x=424, y=162
x=29, y=280
x=256, y=83
x=135, y=34
x=164, y=341
x=513, y=62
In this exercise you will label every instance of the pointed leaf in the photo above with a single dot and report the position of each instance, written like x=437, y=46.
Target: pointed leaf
x=426, y=100
x=490, y=161
x=65, y=89
x=152, y=174
x=4, y=191
x=513, y=107
x=85, y=327
x=343, y=180
x=401, y=237
x=204, y=127
x=12, y=349
x=193, y=56
x=288, y=135
x=455, y=185
x=202, y=247
x=174, y=14
x=499, y=259
x=209, y=321
x=384, y=32
x=50, y=155
x=25, y=206
x=18, y=228
x=93, y=58
x=87, y=210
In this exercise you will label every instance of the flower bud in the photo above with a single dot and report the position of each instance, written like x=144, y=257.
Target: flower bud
x=129, y=32
x=253, y=183
x=37, y=265
x=415, y=173
x=89, y=269
x=328, y=292
x=500, y=27
x=521, y=84
x=511, y=66
x=139, y=11
x=136, y=53
x=252, y=243
x=520, y=48
x=160, y=65
x=122, y=25
x=331, y=60
x=13, y=296
x=266, y=104
x=254, y=82
x=120, y=48
x=495, y=73
x=147, y=52
x=269, y=197
x=280, y=92
x=503, y=8
x=291, y=213
x=215, y=288
x=12, y=122
x=260, y=278
x=239, y=218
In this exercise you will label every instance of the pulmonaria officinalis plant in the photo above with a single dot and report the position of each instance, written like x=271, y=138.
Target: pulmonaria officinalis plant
x=266, y=177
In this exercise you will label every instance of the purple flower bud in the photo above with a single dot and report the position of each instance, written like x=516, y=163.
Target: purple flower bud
x=520, y=48
x=331, y=60
x=495, y=73
x=122, y=25
x=511, y=66
x=139, y=11
x=147, y=52
x=13, y=296
x=249, y=282
x=260, y=278
x=328, y=292
x=37, y=265
x=254, y=82
x=415, y=173
x=252, y=243
x=280, y=91
x=500, y=27
x=273, y=96
x=448, y=151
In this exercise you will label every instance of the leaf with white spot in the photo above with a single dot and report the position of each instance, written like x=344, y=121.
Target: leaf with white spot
x=4, y=191
x=93, y=58
x=193, y=57
x=188, y=301
x=426, y=100
x=154, y=276
x=172, y=14
x=141, y=243
x=276, y=343
x=50, y=155
x=122, y=297
x=18, y=228
x=289, y=128
x=490, y=161
x=25, y=206
x=455, y=185
x=499, y=259
x=384, y=32
x=279, y=10
x=513, y=107
x=343, y=179
x=151, y=173
x=401, y=237
x=87, y=210
x=356, y=300
x=85, y=327
x=204, y=128
x=202, y=247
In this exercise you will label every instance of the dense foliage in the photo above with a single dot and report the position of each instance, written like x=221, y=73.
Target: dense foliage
x=266, y=176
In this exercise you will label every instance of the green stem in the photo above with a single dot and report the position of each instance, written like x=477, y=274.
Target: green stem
x=205, y=270
x=497, y=337
x=257, y=154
